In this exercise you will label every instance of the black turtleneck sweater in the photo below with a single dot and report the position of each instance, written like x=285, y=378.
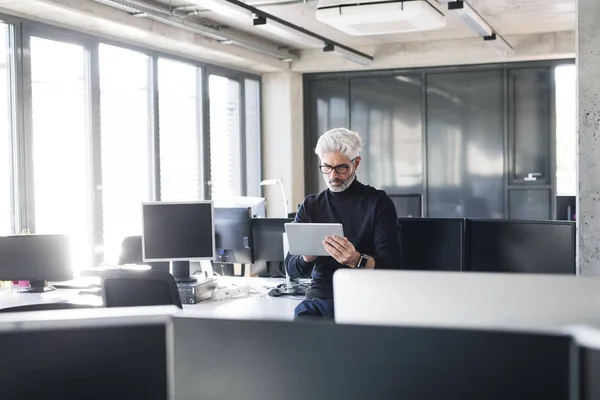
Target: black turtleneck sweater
x=370, y=223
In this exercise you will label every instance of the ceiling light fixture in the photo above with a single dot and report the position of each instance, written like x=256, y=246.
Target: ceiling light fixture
x=501, y=45
x=346, y=55
x=477, y=24
x=470, y=17
x=277, y=25
x=168, y=18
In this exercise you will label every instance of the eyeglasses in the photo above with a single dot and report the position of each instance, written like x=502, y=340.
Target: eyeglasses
x=340, y=169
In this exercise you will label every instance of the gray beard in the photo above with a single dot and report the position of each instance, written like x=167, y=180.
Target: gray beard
x=345, y=185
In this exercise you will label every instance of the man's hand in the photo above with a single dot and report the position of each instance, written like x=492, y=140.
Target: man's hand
x=309, y=259
x=342, y=250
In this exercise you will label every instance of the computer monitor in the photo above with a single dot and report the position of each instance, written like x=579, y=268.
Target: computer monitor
x=472, y=300
x=104, y=353
x=35, y=258
x=268, y=239
x=178, y=232
x=268, y=245
x=587, y=338
x=407, y=205
x=398, y=363
x=566, y=208
x=432, y=244
x=546, y=247
x=257, y=204
x=233, y=235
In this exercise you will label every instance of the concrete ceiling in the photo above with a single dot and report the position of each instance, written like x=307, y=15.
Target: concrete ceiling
x=537, y=29
x=507, y=17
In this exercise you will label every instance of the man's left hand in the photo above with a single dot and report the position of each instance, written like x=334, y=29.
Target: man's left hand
x=342, y=250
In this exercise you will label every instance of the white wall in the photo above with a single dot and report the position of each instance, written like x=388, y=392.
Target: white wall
x=283, y=139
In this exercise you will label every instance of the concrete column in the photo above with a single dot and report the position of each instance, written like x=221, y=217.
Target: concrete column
x=588, y=169
x=283, y=140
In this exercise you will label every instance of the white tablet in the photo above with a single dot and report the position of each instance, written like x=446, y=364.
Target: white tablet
x=306, y=239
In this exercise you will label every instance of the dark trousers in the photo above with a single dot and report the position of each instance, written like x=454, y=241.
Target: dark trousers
x=314, y=308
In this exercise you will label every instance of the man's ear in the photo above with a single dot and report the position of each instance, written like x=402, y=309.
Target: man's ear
x=357, y=162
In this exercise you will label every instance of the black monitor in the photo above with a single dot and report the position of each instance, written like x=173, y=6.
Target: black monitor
x=233, y=235
x=566, y=208
x=407, y=205
x=432, y=244
x=84, y=357
x=35, y=258
x=268, y=238
x=546, y=247
x=179, y=233
x=398, y=363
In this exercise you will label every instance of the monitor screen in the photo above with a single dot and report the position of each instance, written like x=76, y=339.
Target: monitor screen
x=233, y=235
x=432, y=244
x=35, y=258
x=521, y=246
x=178, y=231
x=268, y=238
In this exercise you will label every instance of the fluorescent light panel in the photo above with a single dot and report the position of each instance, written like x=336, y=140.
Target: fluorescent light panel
x=347, y=55
x=470, y=18
x=226, y=9
x=240, y=14
x=501, y=45
x=285, y=33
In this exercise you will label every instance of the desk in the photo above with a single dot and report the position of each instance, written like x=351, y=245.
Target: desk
x=257, y=305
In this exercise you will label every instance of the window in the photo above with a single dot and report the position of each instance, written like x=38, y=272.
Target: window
x=225, y=138
x=61, y=166
x=253, y=167
x=6, y=124
x=180, y=132
x=566, y=130
x=125, y=143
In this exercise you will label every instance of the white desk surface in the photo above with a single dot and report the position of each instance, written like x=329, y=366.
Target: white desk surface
x=256, y=305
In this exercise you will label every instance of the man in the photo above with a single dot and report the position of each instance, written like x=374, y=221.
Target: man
x=368, y=216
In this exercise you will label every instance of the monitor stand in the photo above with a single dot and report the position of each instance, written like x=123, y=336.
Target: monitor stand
x=181, y=272
x=37, y=287
x=191, y=290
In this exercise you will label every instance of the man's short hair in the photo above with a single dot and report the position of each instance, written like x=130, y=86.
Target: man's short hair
x=340, y=140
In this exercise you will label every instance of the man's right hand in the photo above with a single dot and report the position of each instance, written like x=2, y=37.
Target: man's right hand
x=309, y=259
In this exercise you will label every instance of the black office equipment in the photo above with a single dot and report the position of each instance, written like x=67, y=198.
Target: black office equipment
x=82, y=357
x=233, y=235
x=407, y=205
x=398, y=363
x=178, y=233
x=36, y=258
x=131, y=253
x=268, y=245
x=566, y=208
x=132, y=288
x=588, y=352
x=433, y=244
x=521, y=246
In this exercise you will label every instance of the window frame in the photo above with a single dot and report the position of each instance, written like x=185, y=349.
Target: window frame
x=23, y=192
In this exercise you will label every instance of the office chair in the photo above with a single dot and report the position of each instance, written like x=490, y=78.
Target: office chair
x=131, y=253
x=131, y=288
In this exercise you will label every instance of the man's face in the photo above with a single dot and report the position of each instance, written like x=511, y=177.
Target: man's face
x=338, y=171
